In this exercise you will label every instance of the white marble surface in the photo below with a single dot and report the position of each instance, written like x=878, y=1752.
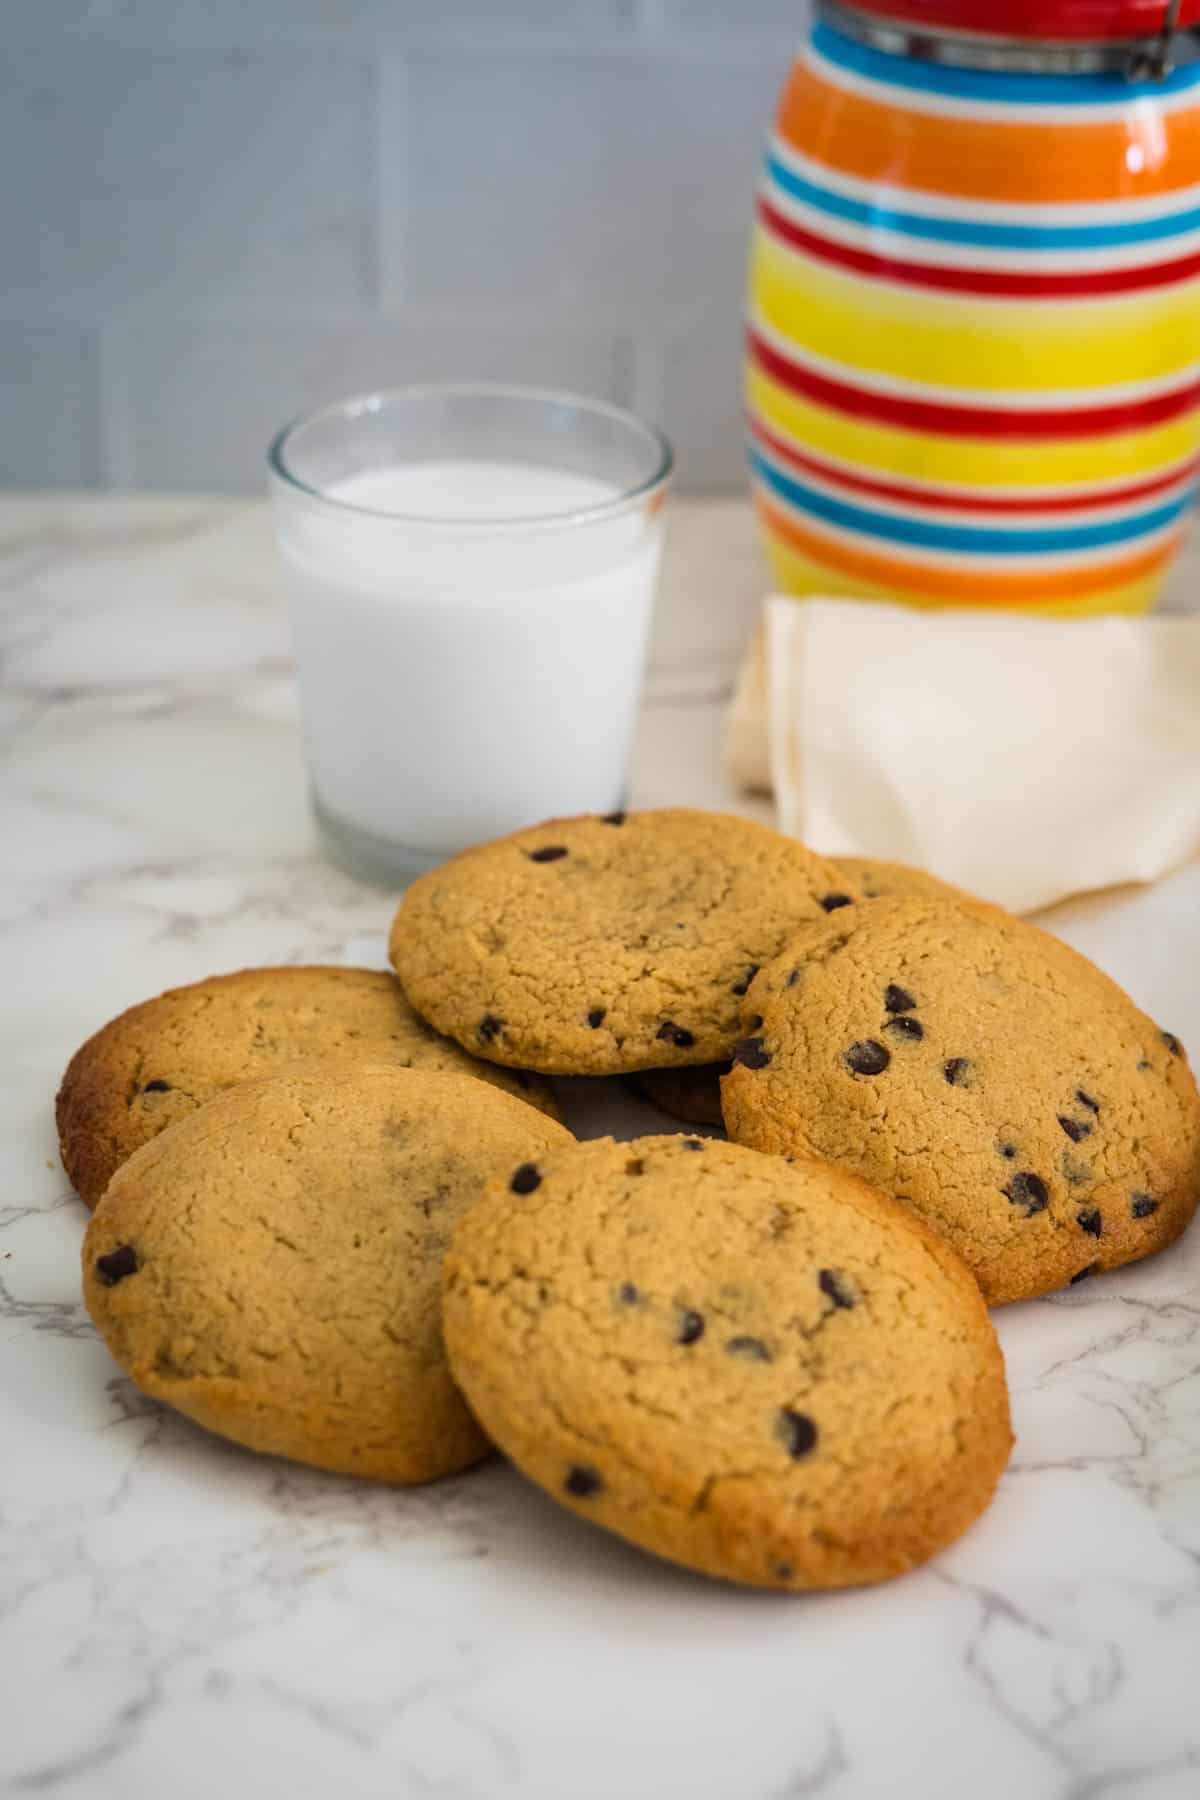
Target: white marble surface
x=179, y=1618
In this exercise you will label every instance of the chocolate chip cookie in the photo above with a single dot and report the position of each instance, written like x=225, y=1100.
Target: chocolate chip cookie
x=694, y=1095
x=767, y=1372
x=600, y=946
x=159, y=1061
x=878, y=880
x=982, y=1072
x=271, y=1265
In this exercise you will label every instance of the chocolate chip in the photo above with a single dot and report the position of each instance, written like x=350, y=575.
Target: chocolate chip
x=791, y=981
x=1085, y=1099
x=796, y=1431
x=831, y=902
x=548, y=853
x=679, y=1035
x=157, y=1087
x=1143, y=1065
x=691, y=1328
x=692, y=1143
x=1076, y=1129
x=836, y=1287
x=1172, y=1042
x=583, y=1482
x=1142, y=1205
x=751, y=1347
x=628, y=1294
x=490, y=1027
x=526, y=1178
x=635, y=1166
x=1007, y=1151
x=755, y=1022
x=117, y=1265
x=617, y=818
x=905, y=1027
x=596, y=1017
x=956, y=1071
x=751, y=1054
x=1028, y=1191
x=898, y=999
x=1090, y=1220
x=739, y=987
x=868, y=1057
x=1082, y=1274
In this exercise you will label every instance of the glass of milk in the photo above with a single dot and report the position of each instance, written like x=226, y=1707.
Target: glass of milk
x=471, y=571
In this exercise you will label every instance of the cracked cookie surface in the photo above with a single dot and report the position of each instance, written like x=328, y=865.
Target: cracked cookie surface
x=764, y=1371
x=601, y=946
x=271, y=1266
x=157, y=1062
x=984, y=1073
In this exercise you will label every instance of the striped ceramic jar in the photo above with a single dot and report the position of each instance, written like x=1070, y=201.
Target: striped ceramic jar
x=974, y=337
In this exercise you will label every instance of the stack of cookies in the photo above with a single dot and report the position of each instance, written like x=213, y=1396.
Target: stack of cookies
x=339, y=1219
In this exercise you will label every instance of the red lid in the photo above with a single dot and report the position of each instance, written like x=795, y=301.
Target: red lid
x=1048, y=21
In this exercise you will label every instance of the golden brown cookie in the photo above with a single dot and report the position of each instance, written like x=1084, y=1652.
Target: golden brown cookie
x=986, y=1074
x=693, y=1095
x=157, y=1062
x=875, y=879
x=600, y=946
x=271, y=1265
x=765, y=1371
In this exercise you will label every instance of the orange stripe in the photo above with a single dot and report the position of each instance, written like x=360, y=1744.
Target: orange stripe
x=970, y=586
x=985, y=159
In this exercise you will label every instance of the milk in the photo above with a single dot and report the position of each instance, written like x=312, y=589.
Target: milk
x=460, y=680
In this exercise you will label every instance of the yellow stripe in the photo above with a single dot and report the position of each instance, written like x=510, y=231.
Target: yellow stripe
x=955, y=340
x=796, y=574
x=971, y=462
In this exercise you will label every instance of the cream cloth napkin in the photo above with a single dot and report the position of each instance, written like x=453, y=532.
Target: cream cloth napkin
x=1024, y=759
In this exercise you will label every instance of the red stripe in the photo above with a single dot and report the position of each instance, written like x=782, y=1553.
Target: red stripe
x=935, y=499
x=976, y=281
x=972, y=421
x=1038, y=19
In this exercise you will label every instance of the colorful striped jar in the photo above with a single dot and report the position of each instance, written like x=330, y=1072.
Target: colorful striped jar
x=974, y=337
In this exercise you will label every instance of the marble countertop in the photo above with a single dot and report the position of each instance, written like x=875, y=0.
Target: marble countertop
x=179, y=1618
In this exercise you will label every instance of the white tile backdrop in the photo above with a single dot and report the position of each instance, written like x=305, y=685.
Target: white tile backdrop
x=214, y=213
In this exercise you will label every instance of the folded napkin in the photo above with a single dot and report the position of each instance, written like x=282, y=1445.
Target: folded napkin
x=1022, y=758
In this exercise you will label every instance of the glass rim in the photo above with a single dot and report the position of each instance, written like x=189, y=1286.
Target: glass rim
x=355, y=405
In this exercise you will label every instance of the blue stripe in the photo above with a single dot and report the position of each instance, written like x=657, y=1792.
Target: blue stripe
x=976, y=541
x=981, y=84
x=969, y=231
